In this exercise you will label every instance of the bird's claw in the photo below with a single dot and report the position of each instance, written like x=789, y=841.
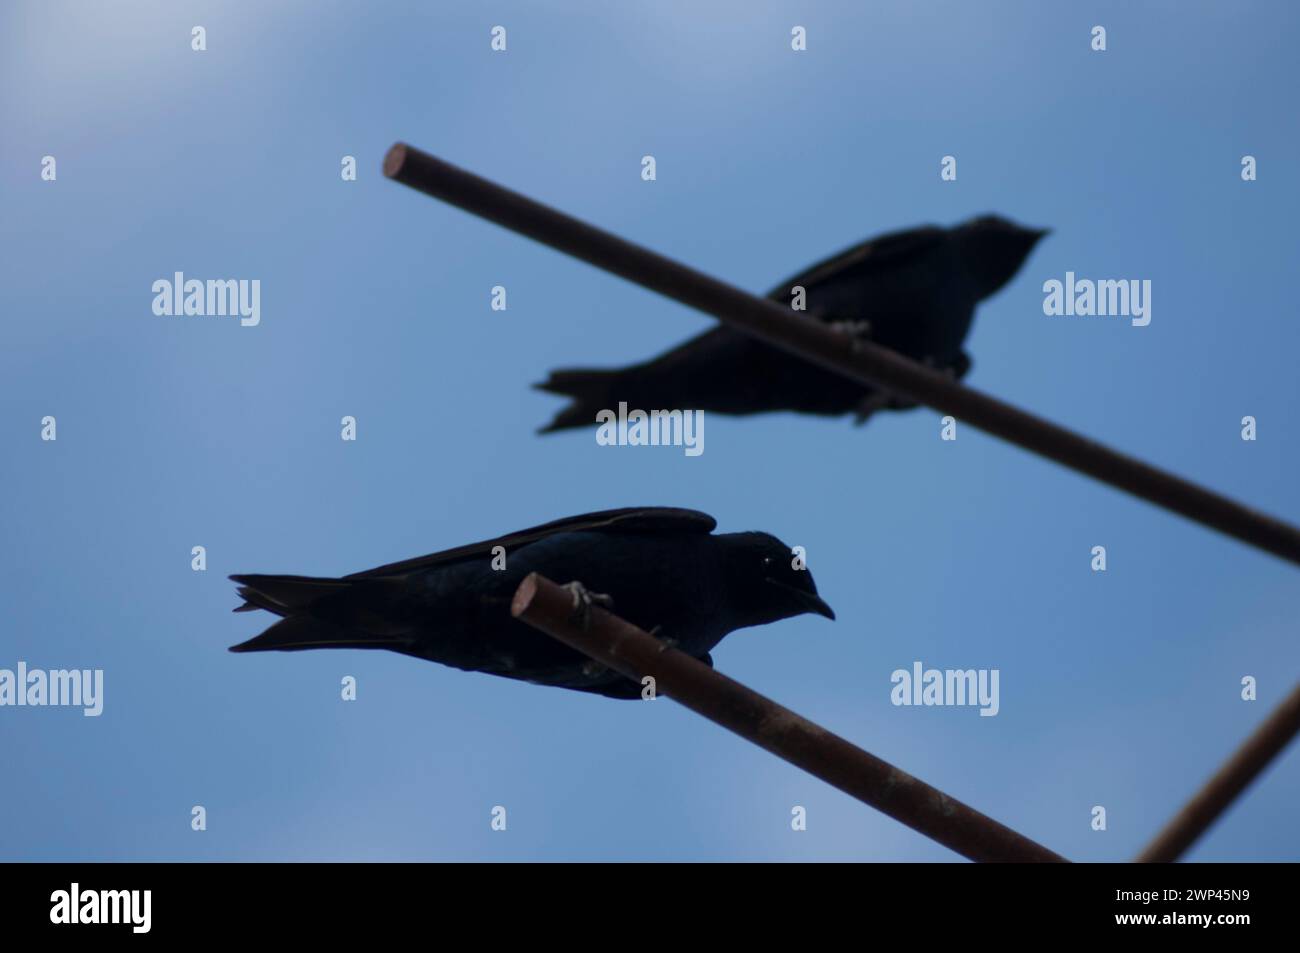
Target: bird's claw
x=858, y=328
x=667, y=640
x=583, y=599
x=858, y=331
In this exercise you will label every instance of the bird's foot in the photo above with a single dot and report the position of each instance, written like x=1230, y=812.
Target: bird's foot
x=859, y=328
x=667, y=640
x=858, y=331
x=947, y=370
x=583, y=599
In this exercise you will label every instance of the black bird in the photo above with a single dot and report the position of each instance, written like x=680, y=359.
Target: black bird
x=913, y=291
x=658, y=567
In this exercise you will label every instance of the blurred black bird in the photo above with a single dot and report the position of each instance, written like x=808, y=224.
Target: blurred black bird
x=913, y=291
x=657, y=567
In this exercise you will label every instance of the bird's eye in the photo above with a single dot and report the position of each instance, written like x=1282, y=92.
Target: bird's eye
x=767, y=561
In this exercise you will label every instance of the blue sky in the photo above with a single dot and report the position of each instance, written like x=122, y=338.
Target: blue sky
x=1118, y=689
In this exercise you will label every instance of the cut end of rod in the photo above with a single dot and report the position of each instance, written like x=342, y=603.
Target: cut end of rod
x=524, y=595
x=395, y=159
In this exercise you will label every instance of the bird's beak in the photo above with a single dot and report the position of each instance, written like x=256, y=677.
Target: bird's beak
x=810, y=601
x=818, y=605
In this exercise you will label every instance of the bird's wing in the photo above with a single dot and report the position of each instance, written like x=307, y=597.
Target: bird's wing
x=648, y=520
x=875, y=254
x=725, y=346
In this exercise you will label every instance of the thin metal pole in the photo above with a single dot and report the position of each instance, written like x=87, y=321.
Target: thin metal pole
x=861, y=360
x=626, y=649
x=1229, y=781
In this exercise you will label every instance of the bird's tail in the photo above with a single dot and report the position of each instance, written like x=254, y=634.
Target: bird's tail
x=590, y=390
x=319, y=612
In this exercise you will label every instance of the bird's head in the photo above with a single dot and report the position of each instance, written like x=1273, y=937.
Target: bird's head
x=766, y=581
x=993, y=249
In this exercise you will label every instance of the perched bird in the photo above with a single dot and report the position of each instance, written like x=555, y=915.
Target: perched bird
x=913, y=291
x=660, y=568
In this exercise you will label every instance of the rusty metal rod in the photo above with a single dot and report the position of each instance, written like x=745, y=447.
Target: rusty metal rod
x=1246, y=764
x=861, y=360
x=628, y=650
